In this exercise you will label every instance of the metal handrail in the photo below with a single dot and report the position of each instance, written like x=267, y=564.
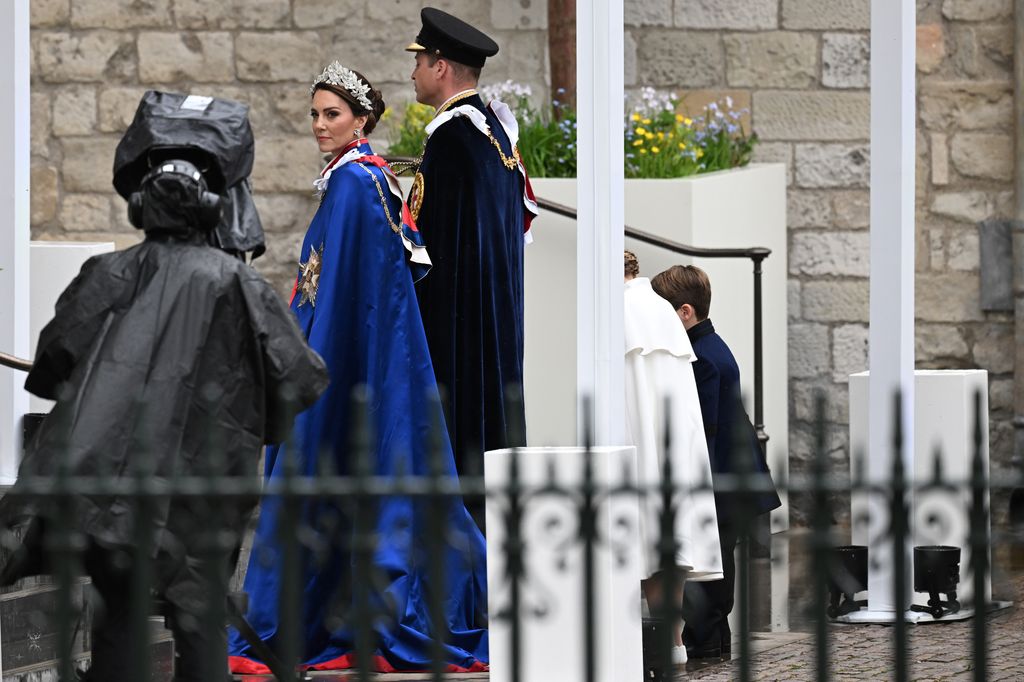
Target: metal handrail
x=15, y=362
x=756, y=254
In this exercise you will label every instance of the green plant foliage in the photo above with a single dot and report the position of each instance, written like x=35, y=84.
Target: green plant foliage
x=660, y=142
x=408, y=135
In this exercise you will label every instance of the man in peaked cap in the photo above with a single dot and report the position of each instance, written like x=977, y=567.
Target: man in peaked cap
x=472, y=203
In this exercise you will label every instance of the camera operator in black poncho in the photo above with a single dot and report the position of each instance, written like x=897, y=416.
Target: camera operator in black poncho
x=170, y=358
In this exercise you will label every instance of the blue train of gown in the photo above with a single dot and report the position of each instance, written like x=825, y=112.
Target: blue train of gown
x=365, y=323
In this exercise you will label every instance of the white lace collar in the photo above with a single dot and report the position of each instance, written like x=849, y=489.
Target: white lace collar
x=320, y=184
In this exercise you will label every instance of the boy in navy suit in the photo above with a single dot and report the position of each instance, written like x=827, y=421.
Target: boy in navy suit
x=708, y=604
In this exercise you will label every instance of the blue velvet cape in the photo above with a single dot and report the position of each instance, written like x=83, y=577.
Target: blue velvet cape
x=472, y=219
x=366, y=325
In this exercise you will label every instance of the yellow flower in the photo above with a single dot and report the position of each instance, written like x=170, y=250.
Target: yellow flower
x=655, y=149
x=661, y=135
x=635, y=117
x=679, y=118
x=640, y=131
x=646, y=121
x=682, y=146
x=687, y=121
x=700, y=153
x=638, y=142
x=649, y=136
x=643, y=151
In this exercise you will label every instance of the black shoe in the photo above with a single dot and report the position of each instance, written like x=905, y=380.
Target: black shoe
x=710, y=650
x=698, y=653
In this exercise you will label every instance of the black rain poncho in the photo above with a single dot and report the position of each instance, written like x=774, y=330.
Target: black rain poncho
x=169, y=357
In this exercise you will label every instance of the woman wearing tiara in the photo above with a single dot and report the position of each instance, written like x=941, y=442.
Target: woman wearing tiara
x=355, y=301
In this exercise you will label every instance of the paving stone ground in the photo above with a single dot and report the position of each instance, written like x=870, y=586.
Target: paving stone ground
x=937, y=651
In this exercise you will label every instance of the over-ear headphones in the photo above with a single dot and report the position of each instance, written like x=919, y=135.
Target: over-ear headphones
x=209, y=204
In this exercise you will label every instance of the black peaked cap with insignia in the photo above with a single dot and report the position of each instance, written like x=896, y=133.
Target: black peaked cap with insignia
x=452, y=38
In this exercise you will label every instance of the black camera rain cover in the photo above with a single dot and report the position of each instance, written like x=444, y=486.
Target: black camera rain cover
x=212, y=133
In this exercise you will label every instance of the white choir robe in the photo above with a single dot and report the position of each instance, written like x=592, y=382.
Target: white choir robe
x=658, y=365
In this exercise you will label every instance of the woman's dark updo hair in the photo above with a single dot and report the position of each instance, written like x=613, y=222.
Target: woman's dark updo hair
x=376, y=101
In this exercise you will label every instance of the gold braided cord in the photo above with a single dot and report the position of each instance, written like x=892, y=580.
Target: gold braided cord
x=402, y=167
x=397, y=229
x=449, y=104
x=511, y=163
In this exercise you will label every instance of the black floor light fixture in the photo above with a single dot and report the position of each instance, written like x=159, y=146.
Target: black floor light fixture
x=937, y=571
x=848, y=575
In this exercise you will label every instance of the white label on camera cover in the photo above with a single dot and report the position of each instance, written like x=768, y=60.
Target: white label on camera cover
x=196, y=102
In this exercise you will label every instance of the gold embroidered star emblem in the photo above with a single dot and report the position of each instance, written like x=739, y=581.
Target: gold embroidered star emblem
x=309, y=277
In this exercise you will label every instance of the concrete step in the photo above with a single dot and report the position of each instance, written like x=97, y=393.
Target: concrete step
x=28, y=634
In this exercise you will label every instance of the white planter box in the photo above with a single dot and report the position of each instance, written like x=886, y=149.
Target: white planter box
x=738, y=208
x=552, y=607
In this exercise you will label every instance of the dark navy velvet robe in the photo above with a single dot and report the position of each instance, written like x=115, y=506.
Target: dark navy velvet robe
x=472, y=220
x=366, y=325
x=718, y=385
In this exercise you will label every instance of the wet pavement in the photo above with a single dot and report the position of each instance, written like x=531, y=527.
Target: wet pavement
x=936, y=651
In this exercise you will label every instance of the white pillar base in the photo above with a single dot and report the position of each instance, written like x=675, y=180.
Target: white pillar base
x=551, y=604
x=944, y=424
x=867, y=617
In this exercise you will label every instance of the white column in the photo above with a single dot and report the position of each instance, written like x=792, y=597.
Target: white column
x=14, y=224
x=599, y=244
x=893, y=96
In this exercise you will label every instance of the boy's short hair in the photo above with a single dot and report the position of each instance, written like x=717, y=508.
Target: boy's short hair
x=630, y=264
x=682, y=284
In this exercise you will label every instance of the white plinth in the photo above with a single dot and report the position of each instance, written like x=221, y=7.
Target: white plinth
x=15, y=164
x=553, y=641
x=53, y=265
x=944, y=425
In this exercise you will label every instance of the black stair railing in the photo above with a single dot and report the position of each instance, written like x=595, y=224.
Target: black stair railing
x=15, y=362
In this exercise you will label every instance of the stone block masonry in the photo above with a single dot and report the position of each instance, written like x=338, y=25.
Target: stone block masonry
x=93, y=59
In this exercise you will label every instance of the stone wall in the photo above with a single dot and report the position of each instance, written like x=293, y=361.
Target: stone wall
x=93, y=59
x=802, y=66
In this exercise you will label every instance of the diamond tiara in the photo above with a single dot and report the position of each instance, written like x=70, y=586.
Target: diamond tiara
x=338, y=75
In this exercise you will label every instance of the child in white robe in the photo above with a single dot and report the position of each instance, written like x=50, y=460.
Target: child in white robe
x=658, y=366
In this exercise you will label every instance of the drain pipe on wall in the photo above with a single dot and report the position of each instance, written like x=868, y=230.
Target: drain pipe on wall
x=1017, y=499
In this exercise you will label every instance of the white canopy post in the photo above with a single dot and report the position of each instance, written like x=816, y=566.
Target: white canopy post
x=891, y=338
x=14, y=224
x=600, y=241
